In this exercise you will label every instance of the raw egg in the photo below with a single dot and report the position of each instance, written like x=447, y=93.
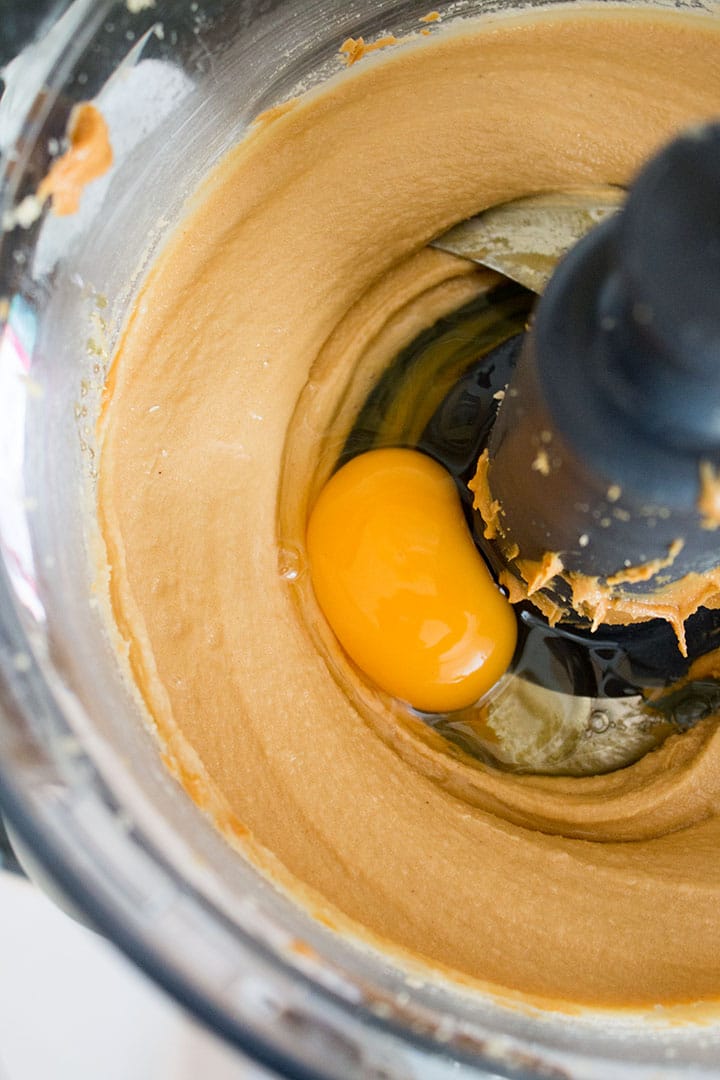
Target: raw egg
x=401, y=583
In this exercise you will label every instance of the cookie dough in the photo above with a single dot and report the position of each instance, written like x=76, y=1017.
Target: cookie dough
x=298, y=272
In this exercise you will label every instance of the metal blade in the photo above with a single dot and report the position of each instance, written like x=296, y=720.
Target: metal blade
x=525, y=239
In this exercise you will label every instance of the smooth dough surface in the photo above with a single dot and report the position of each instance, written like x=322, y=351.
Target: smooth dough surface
x=303, y=256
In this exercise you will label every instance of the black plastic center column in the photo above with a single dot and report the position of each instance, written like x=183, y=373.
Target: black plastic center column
x=614, y=409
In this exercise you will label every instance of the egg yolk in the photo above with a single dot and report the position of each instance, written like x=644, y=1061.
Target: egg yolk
x=398, y=578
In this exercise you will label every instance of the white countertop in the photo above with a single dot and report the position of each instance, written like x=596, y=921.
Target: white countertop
x=73, y=1008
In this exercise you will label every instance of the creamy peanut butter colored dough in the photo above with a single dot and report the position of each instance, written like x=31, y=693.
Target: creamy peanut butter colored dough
x=302, y=261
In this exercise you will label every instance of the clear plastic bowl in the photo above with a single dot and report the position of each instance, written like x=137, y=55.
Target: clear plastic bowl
x=81, y=779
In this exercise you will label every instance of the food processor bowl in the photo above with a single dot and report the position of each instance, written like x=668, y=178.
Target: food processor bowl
x=82, y=780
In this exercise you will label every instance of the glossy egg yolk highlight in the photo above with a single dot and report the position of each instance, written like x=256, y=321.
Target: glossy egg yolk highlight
x=400, y=582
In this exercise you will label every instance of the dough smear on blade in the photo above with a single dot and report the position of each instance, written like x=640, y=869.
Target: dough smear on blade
x=302, y=256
